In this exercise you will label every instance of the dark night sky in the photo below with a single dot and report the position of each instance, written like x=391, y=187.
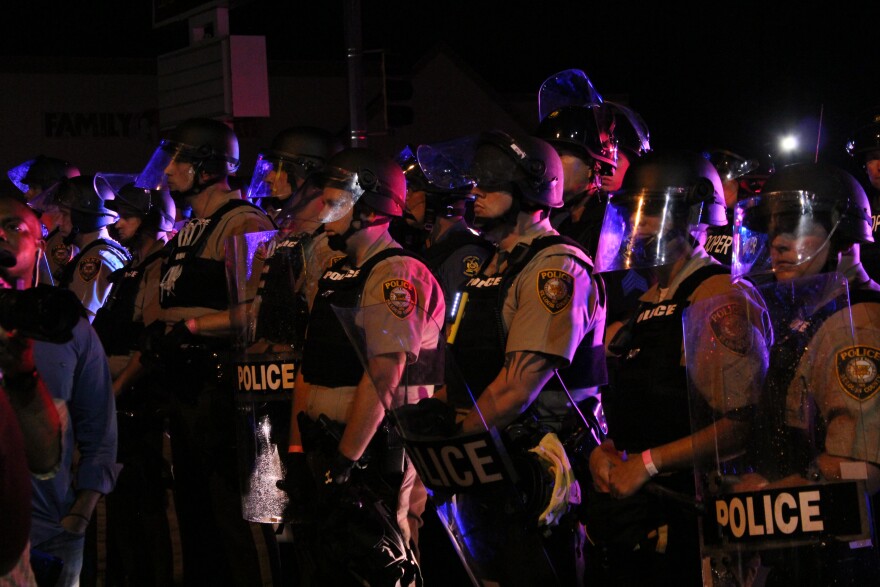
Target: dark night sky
x=728, y=74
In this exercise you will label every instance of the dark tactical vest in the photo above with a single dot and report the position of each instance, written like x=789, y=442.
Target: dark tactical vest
x=329, y=359
x=114, y=322
x=647, y=405
x=481, y=338
x=283, y=309
x=202, y=282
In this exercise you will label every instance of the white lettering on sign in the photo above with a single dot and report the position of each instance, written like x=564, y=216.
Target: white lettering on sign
x=785, y=513
x=266, y=377
x=455, y=465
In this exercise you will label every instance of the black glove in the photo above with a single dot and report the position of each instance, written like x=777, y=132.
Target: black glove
x=340, y=470
x=159, y=349
x=299, y=485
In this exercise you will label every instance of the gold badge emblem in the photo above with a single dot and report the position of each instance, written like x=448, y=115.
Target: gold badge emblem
x=555, y=289
x=400, y=297
x=857, y=371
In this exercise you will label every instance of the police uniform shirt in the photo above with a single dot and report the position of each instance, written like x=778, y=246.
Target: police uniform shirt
x=550, y=305
x=406, y=307
x=729, y=376
x=89, y=280
x=405, y=311
x=840, y=374
x=239, y=220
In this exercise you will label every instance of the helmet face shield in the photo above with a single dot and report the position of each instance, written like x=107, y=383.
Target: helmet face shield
x=153, y=175
x=648, y=229
x=276, y=176
x=781, y=234
x=341, y=190
x=571, y=87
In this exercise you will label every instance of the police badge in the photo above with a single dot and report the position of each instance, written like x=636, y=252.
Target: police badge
x=555, y=289
x=400, y=297
x=857, y=371
x=89, y=267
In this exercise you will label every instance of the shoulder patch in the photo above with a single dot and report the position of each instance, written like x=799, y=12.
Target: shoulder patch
x=555, y=289
x=857, y=371
x=61, y=254
x=89, y=267
x=471, y=265
x=400, y=297
x=731, y=328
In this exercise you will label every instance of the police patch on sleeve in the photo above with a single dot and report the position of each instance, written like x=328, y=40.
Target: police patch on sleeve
x=731, y=328
x=60, y=254
x=857, y=371
x=555, y=289
x=400, y=297
x=470, y=265
x=89, y=267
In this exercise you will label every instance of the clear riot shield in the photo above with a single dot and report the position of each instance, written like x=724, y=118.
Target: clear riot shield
x=784, y=480
x=496, y=494
x=265, y=275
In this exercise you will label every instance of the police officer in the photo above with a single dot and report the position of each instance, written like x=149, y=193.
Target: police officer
x=294, y=155
x=82, y=220
x=33, y=177
x=529, y=326
x=139, y=543
x=635, y=538
x=363, y=191
x=195, y=162
x=864, y=147
x=436, y=214
x=588, y=153
x=819, y=405
x=730, y=167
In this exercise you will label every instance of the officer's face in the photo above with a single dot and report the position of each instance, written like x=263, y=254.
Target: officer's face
x=491, y=204
x=126, y=227
x=61, y=215
x=731, y=192
x=415, y=208
x=332, y=199
x=612, y=183
x=20, y=236
x=577, y=175
x=872, y=166
x=798, y=255
x=180, y=176
x=34, y=190
x=279, y=184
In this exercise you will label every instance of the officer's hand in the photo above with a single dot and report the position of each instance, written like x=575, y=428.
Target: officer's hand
x=340, y=470
x=627, y=477
x=151, y=345
x=602, y=460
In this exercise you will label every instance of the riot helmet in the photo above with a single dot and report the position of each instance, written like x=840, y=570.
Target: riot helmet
x=208, y=145
x=667, y=198
x=866, y=139
x=155, y=208
x=39, y=174
x=366, y=177
x=729, y=165
x=446, y=201
x=803, y=211
x=577, y=129
x=628, y=128
x=83, y=198
x=294, y=155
